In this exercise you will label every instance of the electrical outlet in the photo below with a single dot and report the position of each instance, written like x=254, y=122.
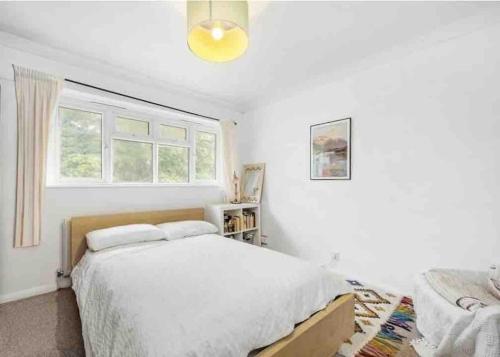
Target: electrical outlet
x=334, y=259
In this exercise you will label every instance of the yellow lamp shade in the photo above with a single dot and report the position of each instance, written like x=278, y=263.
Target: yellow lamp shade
x=217, y=30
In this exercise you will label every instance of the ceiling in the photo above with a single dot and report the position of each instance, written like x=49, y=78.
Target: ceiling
x=291, y=43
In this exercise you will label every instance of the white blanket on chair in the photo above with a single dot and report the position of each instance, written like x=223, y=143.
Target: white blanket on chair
x=475, y=334
x=456, y=332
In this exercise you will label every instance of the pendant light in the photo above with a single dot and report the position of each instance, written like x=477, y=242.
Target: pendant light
x=217, y=30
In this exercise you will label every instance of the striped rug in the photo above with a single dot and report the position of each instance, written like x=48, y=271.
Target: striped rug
x=384, y=324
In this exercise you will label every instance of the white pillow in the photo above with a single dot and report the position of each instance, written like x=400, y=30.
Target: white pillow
x=119, y=235
x=183, y=229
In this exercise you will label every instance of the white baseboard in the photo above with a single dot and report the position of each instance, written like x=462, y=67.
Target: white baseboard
x=23, y=294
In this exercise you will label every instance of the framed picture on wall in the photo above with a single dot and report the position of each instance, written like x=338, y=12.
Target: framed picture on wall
x=331, y=150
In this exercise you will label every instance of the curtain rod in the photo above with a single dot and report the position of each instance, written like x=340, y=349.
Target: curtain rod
x=143, y=100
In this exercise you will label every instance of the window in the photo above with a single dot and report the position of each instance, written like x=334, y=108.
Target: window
x=132, y=126
x=205, y=156
x=99, y=144
x=173, y=164
x=173, y=133
x=132, y=161
x=80, y=144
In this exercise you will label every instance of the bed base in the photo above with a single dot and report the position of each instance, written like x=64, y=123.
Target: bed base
x=319, y=336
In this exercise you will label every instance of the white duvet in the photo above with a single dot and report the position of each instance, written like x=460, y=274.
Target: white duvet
x=199, y=296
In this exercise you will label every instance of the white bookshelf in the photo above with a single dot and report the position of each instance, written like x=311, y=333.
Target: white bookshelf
x=215, y=214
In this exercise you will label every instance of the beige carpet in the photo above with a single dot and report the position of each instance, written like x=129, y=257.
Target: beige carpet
x=45, y=325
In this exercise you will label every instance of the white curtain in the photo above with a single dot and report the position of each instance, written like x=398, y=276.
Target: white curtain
x=37, y=94
x=230, y=157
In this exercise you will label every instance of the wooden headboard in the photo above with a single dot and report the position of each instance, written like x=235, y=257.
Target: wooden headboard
x=82, y=225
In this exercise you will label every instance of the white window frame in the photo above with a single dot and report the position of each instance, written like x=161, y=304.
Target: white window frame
x=109, y=132
x=111, y=166
x=129, y=117
x=158, y=131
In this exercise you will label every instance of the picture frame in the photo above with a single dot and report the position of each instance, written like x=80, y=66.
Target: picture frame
x=330, y=150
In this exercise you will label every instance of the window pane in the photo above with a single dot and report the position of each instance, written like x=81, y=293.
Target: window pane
x=173, y=132
x=132, y=126
x=173, y=164
x=81, y=144
x=205, y=156
x=132, y=161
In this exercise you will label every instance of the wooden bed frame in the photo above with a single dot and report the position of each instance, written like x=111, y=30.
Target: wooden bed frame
x=320, y=336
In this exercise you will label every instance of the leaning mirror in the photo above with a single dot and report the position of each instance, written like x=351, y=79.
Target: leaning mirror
x=251, y=188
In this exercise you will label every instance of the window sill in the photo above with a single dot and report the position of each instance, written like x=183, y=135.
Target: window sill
x=131, y=185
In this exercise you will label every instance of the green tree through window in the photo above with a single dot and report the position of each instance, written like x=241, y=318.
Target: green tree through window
x=81, y=144
x=173, y=166
x=132, y=161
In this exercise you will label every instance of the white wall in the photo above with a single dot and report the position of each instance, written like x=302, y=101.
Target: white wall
x=425, y=167
x=27, y=271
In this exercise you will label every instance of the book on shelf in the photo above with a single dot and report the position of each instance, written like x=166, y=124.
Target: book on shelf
x=237, y=223
x=232, y=223
x=248, y=220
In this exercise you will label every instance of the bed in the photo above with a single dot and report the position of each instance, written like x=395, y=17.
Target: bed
x=203, y=296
